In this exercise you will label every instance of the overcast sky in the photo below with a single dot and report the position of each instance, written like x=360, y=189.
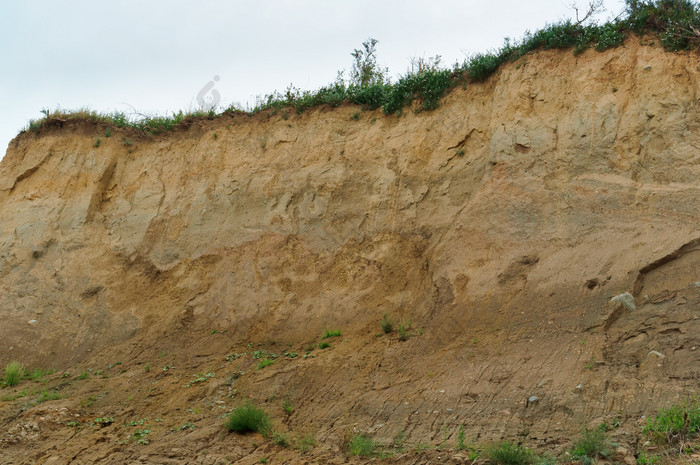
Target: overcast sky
x=154, y=56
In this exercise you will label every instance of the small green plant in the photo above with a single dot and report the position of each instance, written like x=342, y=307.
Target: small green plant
x=103, y=421
x=97, y=142
x=507, y=453
x=334, y=333
x=147, y=368
x=399, y=440
x=108, y=132
x=89, y=402
x=386, y=324
x=461, y=437
x=34, y=125
x=266, y=362
x=419, y=447
x=593, y=445
x=83, y=375
x=356, y=116
x=323, y=345
x=139, y=436
x=362, y=446
x=677, y=424
x=14, y=371
x=306, y=443
x=200, y=378
x=280, y=439
x=249, y=418
x=645, y=459
x=11, y=397
x=287, y=406
x=126, y=142
x=403, y=331
x=46, y=396
x=37, y=374
x=460, y=153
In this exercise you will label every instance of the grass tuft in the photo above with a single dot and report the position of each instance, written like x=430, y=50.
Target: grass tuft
x=14, y=372
x=386, y=324
x=507, y=453
x=334, y=333
x=362, y=446
x=677, y=424
x=592, y=445
x=249, y=418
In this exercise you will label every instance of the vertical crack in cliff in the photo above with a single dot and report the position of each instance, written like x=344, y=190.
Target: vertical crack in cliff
x=98, y=194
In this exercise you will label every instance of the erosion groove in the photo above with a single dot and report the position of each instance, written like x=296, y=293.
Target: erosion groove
x=459, y=262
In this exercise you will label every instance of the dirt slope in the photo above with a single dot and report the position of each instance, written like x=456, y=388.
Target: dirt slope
x=496, y=229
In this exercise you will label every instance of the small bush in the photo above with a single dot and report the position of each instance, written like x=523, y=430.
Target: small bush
x=362, y=446
x=593, y=445
x=323, y=345
x=386, y=324
x=507, y=453
x=249, y=418
x=14, y=372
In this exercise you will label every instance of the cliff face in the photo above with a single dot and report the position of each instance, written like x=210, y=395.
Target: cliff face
x=498, y=227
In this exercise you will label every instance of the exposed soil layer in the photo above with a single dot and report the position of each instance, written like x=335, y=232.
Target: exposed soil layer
x=155, y=274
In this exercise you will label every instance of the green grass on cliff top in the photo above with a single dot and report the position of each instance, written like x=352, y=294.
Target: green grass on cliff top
x=676, y=23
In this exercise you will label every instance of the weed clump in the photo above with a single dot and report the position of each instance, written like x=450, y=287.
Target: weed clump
x=362, y=446
x=334, y=333
x=14, y=371
x=386, y=324
x=249, y=418
x=507, y=453
x=592, y=445
x=676, y=425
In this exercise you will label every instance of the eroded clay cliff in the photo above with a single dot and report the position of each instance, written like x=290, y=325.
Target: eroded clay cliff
x=496, y=228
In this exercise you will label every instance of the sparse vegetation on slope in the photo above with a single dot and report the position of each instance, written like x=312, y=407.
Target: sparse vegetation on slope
x=676, y=425
x=675, y=22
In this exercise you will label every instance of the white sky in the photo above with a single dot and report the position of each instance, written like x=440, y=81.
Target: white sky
x=155, y=56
